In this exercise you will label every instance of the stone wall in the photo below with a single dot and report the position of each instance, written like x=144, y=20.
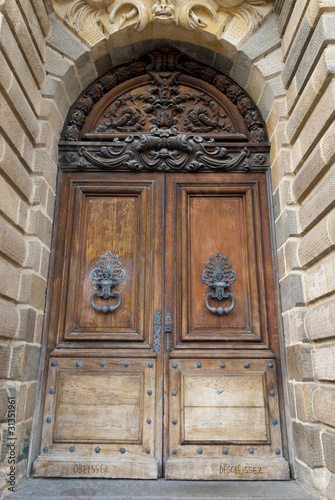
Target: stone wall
x=287, y=65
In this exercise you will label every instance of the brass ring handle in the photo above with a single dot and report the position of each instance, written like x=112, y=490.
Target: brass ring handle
x=220, y=310
x=105, y=308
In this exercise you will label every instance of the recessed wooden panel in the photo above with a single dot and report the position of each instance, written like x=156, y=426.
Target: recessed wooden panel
x=103, y=407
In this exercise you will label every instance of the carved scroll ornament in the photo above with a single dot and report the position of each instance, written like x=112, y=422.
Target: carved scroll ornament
x=79, y=14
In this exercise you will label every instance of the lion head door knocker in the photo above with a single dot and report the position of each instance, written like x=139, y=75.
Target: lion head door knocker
x=219, y=276
x=107, y=274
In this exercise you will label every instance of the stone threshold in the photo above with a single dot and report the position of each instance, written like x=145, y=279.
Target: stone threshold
x=117, y=489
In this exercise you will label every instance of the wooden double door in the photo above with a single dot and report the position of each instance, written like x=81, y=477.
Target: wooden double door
x=163, y=354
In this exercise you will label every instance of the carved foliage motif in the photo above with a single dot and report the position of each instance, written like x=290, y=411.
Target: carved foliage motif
x=163, y=103
x=164, y=106
x=139, y=13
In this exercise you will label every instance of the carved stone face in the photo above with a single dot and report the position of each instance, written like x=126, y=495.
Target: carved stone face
x=163, y=11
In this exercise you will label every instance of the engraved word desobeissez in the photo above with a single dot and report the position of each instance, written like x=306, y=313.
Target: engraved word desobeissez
x=219, y=276
x=107, y=274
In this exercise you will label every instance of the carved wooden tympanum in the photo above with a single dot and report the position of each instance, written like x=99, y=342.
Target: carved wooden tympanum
x=162, y=352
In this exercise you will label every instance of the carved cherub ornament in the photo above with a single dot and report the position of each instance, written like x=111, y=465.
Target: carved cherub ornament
x=142, y=12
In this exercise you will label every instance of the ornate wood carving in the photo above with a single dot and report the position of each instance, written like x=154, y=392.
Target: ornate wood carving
x=163, y=105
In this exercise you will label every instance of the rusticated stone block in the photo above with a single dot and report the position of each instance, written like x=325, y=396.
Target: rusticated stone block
x=16, y=362
x=328, y=440
x=320, y=279
x=304, y=396
x=33, y=290
x=321, y=200
x=291, y=395
x=9, y=320
x=9, y=200
x=307, y=439
x=54, y=89
x=61, y=67
x=299, y=362
x=39, y=225
x=31, y=363
x=291, y=255
x=318, y=241
x=291, y=291
x=296, y=319
x=324, y=405
x=30, y=400
x=3, y=403
x=12, y=243
x=298, y=47
x=34, y=27
x=320, y=321
x=324, y=362
x=286, y=226
x=315, y=165
x=10, y=279
x=26, y=328
x=324, y=33
x=5, y=355
x=42, y=16
x=284, y=17
x=14, y=170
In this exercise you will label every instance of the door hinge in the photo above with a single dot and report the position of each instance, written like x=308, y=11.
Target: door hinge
x=168, y=330
x=157, y=331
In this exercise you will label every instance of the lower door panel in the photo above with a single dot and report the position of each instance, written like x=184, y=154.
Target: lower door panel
x=99, y=419
x=224, y=420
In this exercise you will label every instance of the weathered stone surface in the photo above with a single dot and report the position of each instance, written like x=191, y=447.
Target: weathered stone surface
x=294, y=21
x=328, y=440
x=315, y=165
x=320, y=321
x=308, y=447
x=5, y=355
x=39, y=225
x=26, y=328
x=304, y=396
x=324, y=33
x=291, y=291
x=12, y=167
x=16, y=362
x=291, y=255
x=64, y=69
x=31, y=363
x=33, y=290
x=286, y=226
x=291, y=394
x=296, y=320
x=42, y=16
x=284, y=17
x=9, y=320
x=324, y=362
x=12, y=243
x=34, y=27
x=320, y=279
x=324, y=405
x=273, y=89
x=10, y=279
x=54, y=89
x=319, y=241
x=299, y=362
x=298, y=48
x=321, y=200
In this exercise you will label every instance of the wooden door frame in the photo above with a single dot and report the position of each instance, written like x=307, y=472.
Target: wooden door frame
x=77, y=155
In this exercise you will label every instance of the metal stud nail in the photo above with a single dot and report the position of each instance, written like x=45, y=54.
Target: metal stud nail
x=149, y=392
x=274, y=421
x=199, y=451
x=251, y=451
x=53, y=363
x=174, y=393
x=222, y=365
x=225, y=451
x=45, y=449
x=79, y=364
x=48, y=419
x=52, y=391
x=277, y=451
x=151, y=365
x=198, y=365
x=174, y=365
x=147, y=450
x=126, y=364
x=97, y=449
x=122, y=450
x=174, y=451
x=148, y=420
x=102, y=363
x=272, y=393
x=246, y=365
x=71, y=449
x=270, y=365
x=174, y=421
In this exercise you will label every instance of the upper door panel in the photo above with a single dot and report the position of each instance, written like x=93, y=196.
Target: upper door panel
x=218, y=224
x=116, y=217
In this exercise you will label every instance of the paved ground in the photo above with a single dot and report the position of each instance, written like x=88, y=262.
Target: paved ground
x=66, y=489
